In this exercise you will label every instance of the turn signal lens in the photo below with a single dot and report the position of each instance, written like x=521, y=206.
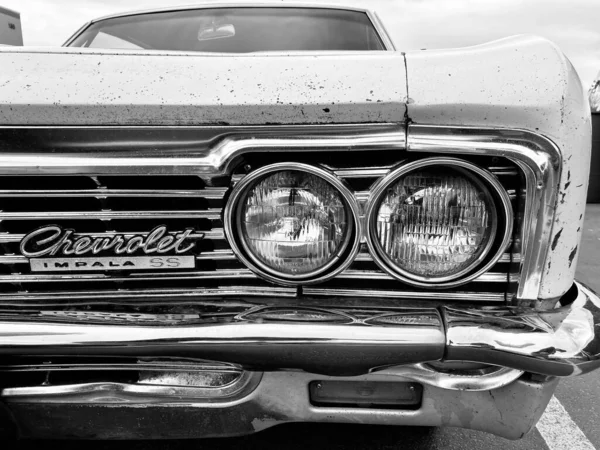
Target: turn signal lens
x=435, y=223
x=294, y=223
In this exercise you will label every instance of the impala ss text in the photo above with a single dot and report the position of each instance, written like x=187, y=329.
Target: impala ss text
x=218, y=219
x=111, y=263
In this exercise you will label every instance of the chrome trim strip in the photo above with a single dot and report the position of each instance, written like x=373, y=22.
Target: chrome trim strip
x=135, y=276
x=505, y=258
x=488, y=277
x=215, y=193
x=153, y=366
x=422, y=373
x=217, y=255
x=13, y=259
x=211, y=162
x=229, y=5
x=399, y=294
x=366, y=172
x=338, y=263
x=540, y=160
x=141, y=296
x=463, y=276
x=388, y=43
x=139, y=392
x=77, y=33
x=212, y=214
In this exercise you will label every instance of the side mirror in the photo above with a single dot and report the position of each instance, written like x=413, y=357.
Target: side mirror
x=216, y=32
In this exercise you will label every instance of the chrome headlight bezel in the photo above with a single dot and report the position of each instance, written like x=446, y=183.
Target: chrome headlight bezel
x=494, y=249
x=343, y=256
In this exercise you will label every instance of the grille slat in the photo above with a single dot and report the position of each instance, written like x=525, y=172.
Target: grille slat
x=403, y=294
x=366, y=257
x=145, y=294
x=489, y=277
x=215, y=193
x=211, y=214
x=137, y=276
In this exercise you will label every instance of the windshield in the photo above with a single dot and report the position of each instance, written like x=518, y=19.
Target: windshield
x=235, y=30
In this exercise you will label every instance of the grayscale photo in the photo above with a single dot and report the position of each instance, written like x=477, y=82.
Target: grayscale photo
x=323, y=224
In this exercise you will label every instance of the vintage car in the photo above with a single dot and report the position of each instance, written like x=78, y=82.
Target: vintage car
x=218, y=219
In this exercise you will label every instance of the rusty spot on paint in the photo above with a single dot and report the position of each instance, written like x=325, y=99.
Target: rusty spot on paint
x=567, y=184
x=572, y=256
x=562, y=199
x=556, y=238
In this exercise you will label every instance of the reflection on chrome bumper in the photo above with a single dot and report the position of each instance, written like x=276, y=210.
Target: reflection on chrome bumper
x=561, y=342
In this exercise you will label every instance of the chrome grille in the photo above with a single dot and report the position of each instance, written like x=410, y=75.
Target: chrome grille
x=107, y=205
x=102, y=206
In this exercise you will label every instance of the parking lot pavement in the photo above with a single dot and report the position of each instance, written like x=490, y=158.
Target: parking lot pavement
x=577, y=406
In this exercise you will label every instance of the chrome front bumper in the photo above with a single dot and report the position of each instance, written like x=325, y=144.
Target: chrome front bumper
x=343, y=341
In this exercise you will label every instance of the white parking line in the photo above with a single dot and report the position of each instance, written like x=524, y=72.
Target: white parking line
x=559, y=431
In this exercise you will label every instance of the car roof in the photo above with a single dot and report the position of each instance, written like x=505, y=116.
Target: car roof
x=231, y=5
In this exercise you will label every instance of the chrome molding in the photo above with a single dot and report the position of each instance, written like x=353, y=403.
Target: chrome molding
x=386, y=40
x=165, y=365
x=405, y=294
x=140, y=296
x=112, y=392
x=488, y=277
x=231, y=5
x=540, y=161
x=187, y=275
x=459, y=278
x=214, y=193
x=456, y=381
x=340, y=261
x=214, y=154
x=211, y=214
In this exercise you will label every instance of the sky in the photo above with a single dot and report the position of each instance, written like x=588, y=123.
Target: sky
x=412, y=24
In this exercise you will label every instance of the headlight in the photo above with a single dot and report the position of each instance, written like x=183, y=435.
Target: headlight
x=292, y=222
x=436, y=220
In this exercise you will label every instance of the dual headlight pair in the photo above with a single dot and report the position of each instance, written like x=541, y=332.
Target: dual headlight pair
x=433, y=222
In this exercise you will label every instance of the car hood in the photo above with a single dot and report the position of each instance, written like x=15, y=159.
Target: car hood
x=68, y=86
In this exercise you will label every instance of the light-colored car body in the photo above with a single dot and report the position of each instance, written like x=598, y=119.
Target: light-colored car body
x=98, y=112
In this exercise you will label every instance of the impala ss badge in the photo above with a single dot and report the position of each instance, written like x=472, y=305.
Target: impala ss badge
x=54, y=249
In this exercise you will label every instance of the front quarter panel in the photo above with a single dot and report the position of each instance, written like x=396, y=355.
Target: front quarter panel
x=523, y=83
